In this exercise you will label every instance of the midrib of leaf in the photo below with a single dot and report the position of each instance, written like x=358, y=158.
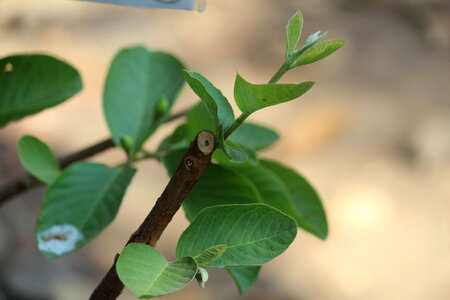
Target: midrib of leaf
x=260, y=240
x=157, y=276
x=102, y=195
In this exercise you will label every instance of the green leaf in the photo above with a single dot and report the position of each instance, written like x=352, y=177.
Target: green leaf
x=146, y=272
x=313, y=39
x=252, y=97
x=32, y=83
x=244, y=277
x=199, y=118
x=210, y=255
x=175, y=141
x=319, y=52
x=254, y=137
x=79, y=205
x=217, y=104
x=311, y=215
x=249, y=156
x=202, y=277
x=37, y=158
x=271, y=188
x=217, y=186
x=254, y=234
x=235, y=153
x=293, y=32
x=140, y=89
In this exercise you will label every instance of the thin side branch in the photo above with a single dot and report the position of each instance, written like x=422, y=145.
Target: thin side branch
x=27, y=181
x=183, y=180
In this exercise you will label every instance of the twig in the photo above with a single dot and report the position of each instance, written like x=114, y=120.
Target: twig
x=188, y=172
x=27, y=181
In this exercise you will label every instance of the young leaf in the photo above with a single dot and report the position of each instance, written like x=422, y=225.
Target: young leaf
x=79, y=205
x=319, y=52
x=252, y=97
x=293, y=32
x=140, y=89
x=235, y=153
x=254, y=137
x=210, y=255
x=32, y=83
x=217, y=104
x=37, y=158
x=310, y=212
x=202, y=277
x=146, y=272
x=244, y=277
x=217, y=186
x=254, y=234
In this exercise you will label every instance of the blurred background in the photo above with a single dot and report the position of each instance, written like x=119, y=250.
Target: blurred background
x=373, y=136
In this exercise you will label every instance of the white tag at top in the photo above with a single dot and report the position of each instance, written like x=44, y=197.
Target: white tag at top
x=198, y=5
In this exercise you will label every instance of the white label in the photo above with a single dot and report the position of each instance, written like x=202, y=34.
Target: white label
x=172, y=4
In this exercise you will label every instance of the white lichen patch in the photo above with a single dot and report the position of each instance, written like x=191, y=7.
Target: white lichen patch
x=59, y=239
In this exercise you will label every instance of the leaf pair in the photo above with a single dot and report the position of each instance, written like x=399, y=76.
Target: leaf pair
x=220, y=236
x=311, y=50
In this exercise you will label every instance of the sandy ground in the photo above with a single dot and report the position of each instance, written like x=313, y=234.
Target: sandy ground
x=373, y=137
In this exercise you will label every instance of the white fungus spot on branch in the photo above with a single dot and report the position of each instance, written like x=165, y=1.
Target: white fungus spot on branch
x=59, y=239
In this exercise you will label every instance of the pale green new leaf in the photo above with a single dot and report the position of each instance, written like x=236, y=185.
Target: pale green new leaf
x=218, y=186
x=319, y=52
x=32, y=83
x=244, y=277
x=202, y=277
x=140, y=89
x=254, y=234
x=78, y=205
x=210, y=255
x=293, y=32
x=309, y=210
x=37, y=158
x=146, y=272
x=252, y=97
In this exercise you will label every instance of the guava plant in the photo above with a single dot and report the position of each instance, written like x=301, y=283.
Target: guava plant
x=244, y=210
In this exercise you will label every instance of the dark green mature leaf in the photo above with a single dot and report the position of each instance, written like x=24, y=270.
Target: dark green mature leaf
x=293, y=32
x=252, y=97
x=271, y=188
x=254, y=137
x=146, y=272
x=32, y=83
x=216, y=103
x=217, y=186
x=199, y=118
x=79, y=205
x=244, y=277
x=311, y=215
x=319, y=52
x=254, y=234
x=140, y=89
x=37, y=158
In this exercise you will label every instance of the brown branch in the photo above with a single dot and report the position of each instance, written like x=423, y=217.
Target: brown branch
x=27, y=181
x=188, y=172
